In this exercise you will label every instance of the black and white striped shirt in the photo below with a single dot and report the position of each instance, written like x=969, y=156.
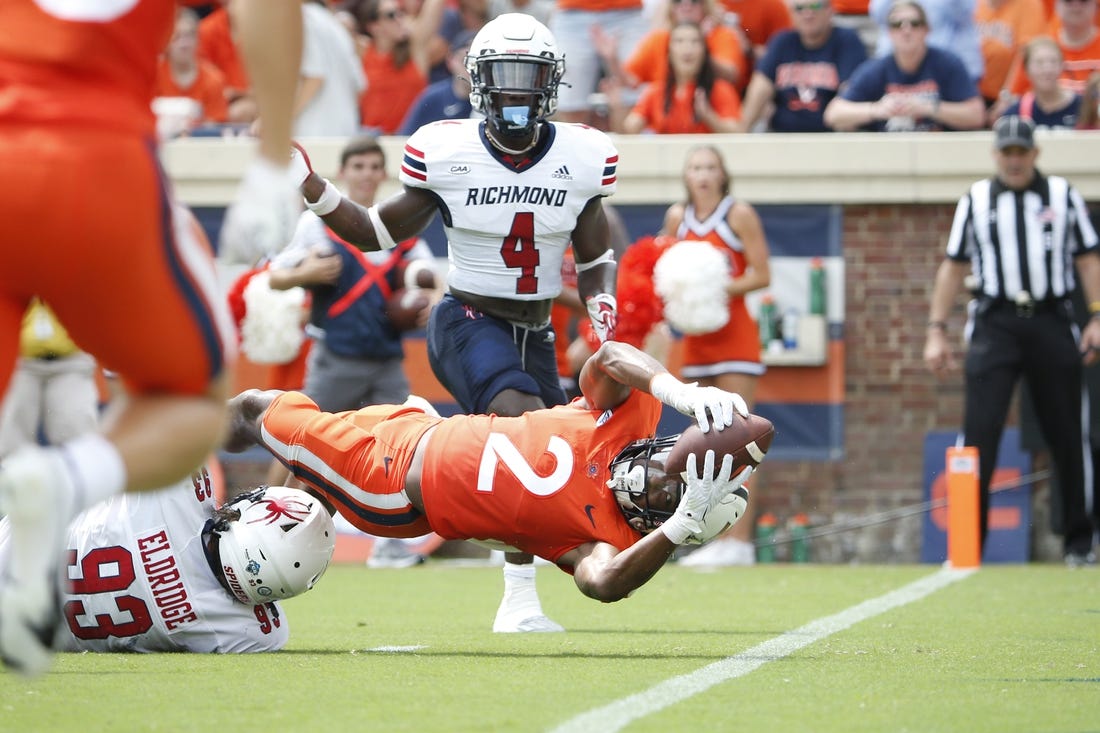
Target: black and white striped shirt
x=1022, y=241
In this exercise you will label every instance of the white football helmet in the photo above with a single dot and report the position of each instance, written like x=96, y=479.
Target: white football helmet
x=639, y=479
x=279, y=546
x=517, y=56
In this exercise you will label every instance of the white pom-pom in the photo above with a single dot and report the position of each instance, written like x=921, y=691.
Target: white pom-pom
x=271, y=332
x=691, y=278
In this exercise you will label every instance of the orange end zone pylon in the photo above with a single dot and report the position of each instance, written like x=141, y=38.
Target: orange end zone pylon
x=963, y=529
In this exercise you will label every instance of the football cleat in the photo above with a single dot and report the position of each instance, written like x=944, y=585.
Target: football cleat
x=37, y=496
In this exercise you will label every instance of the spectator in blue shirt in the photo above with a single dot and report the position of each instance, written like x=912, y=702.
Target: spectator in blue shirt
x=916, y=88
x=952, y=27
x=448, y=99
x=1050, y=103
x=802, y=70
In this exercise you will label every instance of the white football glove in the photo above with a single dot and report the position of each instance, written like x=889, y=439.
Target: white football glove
x=701, y=494
x=604, y=314
x=261, y=220
x=699, y=402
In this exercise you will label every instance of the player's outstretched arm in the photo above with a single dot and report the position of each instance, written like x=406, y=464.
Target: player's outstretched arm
x=245, y=413
x=602, y=572
x=381, y=226
x=596, y=268
x=616, y=368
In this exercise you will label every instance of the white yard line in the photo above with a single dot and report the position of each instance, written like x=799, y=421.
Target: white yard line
x=617, y=715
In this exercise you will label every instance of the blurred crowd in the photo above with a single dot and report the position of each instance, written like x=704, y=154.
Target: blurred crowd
x=385, y=67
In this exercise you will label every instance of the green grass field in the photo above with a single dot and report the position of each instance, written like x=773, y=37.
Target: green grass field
x=1010, y=648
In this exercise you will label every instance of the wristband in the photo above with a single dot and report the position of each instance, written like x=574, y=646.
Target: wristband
x=381, y=233
x=663, y=385
x=937, y=325
x=1094, y=307
x=678, y=528
x=608, y=257
x=330, y=199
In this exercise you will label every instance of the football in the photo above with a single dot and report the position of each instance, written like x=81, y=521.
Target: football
x=405, y=306
x=747, y=439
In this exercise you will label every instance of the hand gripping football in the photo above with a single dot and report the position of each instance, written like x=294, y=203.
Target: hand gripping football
x=405, y=307
x=747, y=439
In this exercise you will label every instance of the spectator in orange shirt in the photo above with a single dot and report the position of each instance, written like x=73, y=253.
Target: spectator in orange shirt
x=181, y=73
x=1079, y=39
x=217, y=45
x=690, y=98
x=851, y=7
x=759, y=19
x=649, y=61
x=1054, y=25
x=396, y=61
x=1004, y=27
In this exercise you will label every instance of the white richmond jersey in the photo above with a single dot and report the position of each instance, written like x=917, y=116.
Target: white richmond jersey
x=508, y=223
x=141, y=582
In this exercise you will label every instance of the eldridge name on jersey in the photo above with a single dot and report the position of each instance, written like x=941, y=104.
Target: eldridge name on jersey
x=509, y=218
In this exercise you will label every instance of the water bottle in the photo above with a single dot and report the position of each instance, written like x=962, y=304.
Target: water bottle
x=767, y=321
x=765, y=537
x=799, y=527
x=817, y=287
x=790, y=329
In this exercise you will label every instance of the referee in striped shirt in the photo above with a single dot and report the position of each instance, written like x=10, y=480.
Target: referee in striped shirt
x=1014, y=242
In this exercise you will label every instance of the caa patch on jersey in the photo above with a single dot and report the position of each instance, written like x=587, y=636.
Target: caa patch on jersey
x=747, y=439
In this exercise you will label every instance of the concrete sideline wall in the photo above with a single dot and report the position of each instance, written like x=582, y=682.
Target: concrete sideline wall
x=898, y=194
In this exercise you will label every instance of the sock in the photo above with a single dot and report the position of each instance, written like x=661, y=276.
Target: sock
x=95, y=468
x=520, y=596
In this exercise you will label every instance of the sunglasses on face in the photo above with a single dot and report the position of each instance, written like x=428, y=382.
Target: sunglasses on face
x=906, y=23
x=687, y=2
x=799, y=7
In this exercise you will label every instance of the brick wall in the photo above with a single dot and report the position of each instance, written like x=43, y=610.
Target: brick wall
x=891, y=253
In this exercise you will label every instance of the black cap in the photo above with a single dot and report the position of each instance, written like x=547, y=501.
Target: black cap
x=1014, y=131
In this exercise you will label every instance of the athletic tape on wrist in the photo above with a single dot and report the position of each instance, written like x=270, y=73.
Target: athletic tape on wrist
x=330, y=199
x=677, y=529
x=663, y=385
x=381, y=233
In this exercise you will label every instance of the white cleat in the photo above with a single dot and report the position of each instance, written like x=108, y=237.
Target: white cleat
x=531, y=624
x=36, y=496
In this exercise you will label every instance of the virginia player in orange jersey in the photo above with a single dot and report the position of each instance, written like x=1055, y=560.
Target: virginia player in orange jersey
x=89, y=225
x=583, y=485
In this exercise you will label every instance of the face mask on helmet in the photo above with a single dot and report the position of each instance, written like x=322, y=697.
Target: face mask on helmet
x=278, y=547
x=515, y=68
x=644, y=491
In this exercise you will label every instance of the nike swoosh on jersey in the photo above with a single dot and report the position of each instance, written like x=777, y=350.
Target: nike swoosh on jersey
x=588, y=510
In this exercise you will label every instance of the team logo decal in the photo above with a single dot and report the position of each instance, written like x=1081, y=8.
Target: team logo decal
x=252, y=567
x=280, y=509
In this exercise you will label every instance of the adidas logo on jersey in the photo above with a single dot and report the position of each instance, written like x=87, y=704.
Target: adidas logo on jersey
x=562, y=173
